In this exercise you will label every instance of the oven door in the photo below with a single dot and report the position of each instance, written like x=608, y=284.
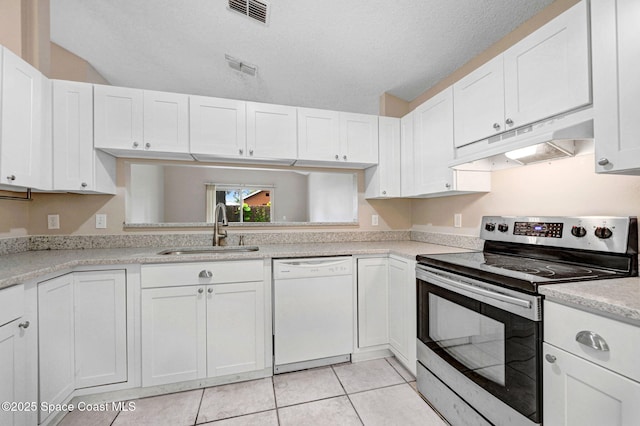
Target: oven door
x=490, y=335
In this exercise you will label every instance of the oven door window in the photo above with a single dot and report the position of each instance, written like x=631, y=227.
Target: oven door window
x=494, y=348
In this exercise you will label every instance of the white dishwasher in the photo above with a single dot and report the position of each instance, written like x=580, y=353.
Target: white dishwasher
x=312, y=312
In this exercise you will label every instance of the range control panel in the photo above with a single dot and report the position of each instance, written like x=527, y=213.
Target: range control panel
x=601, y=233
x=538, y=229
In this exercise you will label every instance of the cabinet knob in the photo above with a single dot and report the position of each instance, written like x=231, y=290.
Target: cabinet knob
x=592, y=340
x=384, y=192
x=344, y=157
x=11, y=178
x=201, y=290
x=447, y=185
x=147, y=145
x=496, y=126
x=550, y=358
x=136, y=144
x=240, y=151
x=205, y=274
x=603, y=161
x=250, y=152
x=337, y=157
x=509, y=122
x=24, y=325
x=83, y=184
x=209, y=290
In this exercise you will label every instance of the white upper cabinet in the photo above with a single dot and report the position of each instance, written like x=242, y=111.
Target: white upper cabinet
x=25, y=144
x=166, y=122
x=406, y=155
x=383, y=180
x=137, y=123
x=271, y=131
x=218, y=127
x=545, y=74
x=337, y=139
x=479, y=105
x=433, y=150
x=616, y=86
x=77, y=166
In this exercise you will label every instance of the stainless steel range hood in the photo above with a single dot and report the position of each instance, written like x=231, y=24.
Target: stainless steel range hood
x=557, y=137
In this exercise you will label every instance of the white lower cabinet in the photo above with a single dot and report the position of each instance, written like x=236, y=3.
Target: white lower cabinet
x=373, y=296
x=590, y=369
x=387, y=306
x=82, y=333
x=203, y=324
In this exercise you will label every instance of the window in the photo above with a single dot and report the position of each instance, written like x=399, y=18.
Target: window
x=244, y=203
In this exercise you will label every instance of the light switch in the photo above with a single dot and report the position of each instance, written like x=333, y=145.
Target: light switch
x=101, y=221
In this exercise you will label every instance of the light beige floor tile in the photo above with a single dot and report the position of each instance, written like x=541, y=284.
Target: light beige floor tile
x=174, y=409
x=406, y=374
x=329, y=412
x=89, y=418
x=305, y=386
x=266, y=418
x=367, y=375
x=236, y=399
x=395, y=405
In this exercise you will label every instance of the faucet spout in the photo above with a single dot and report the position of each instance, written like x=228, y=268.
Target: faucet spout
x=219, y=219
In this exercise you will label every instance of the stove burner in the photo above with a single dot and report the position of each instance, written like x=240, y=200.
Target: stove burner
x=539, y=268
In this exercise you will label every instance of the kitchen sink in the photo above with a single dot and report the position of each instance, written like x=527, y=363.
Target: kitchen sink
x=205, y=250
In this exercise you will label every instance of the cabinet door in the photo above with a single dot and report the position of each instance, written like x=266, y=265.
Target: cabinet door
x=100, y=328
x=173, y=335
x=479, y=103
x=399, y=309
x=577, y=392
x=373, y=293
x=166, y=122
x=218, y=126
x=72, y=136
x=616, y=86
x=235, y=328
x=383, y=180
x=118, y=118
x=318, y=135
x=56, y=340
x=406, y=155
x=433, y=144
x=548, y=72
x=271, y=131
x=12, y=371
x=359, y=138
x=21, y=131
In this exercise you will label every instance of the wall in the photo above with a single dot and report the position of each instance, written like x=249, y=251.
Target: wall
x=567, y=187
x=68, y=66
x=14, y=216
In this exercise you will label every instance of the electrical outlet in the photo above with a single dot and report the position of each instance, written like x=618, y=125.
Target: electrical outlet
x=53, y=221
x=101, y=221
x=457, y=220
x=374, y=220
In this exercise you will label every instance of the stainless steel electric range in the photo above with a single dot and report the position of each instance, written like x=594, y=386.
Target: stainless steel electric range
x=480, y=313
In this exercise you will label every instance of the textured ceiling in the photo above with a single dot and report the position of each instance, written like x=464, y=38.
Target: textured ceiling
x=333, y=54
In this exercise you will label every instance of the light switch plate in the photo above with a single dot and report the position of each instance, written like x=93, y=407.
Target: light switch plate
x=374, y=220
x=53, y=221
x=457, y=220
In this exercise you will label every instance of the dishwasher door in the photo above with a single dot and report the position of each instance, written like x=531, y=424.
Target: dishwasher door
x=313, y=312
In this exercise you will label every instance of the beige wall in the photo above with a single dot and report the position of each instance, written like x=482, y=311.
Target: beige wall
x=11, y=25
x=14, y=216
x=567, y=187
x=24, y=29
x=68, y=66
x=392, y=106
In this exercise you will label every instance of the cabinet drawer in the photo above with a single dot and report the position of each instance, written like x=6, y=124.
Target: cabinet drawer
x=562, y=325
x=11, y=303
x=176, y=274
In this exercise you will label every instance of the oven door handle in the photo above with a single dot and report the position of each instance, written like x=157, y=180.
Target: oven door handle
x=484, y=292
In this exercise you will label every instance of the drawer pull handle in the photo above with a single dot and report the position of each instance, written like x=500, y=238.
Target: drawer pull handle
x=201, y=290
x=205, y=274
x=209, y=290
x=550, y=358
x=24, y=325
x=592, y=340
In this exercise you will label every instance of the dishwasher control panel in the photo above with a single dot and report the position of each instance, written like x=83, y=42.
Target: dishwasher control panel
x=312, y=267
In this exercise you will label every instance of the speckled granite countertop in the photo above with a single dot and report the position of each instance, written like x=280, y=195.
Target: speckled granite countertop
x=617, y=298
x=21, y=267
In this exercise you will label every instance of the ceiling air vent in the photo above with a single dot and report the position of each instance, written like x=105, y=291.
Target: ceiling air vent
x=254, y=9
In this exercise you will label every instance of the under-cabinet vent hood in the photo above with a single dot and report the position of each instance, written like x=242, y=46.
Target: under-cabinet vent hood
x=254, y=9
x=557, y=137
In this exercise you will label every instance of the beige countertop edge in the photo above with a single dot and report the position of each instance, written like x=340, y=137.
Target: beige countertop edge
x=615, y=298
x=22, y=267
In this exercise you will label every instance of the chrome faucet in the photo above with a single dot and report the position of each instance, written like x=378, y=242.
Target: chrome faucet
x=217, y=234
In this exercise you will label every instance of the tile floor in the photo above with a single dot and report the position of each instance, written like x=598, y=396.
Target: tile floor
x=377, y=392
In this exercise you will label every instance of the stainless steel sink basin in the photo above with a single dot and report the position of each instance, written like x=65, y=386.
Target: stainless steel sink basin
x=211, y=250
